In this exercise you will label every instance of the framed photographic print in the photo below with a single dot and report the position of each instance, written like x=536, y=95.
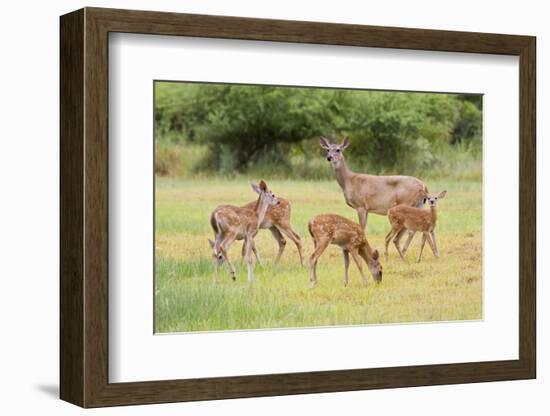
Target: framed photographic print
x=255, y=207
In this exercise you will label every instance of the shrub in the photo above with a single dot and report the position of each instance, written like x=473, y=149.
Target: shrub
x=167, y=160
x=400, y=132
x=243, y=127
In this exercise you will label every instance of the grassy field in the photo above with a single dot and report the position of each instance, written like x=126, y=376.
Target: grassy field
x=187, y=299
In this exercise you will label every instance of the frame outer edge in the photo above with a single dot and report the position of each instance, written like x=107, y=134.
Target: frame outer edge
x=71, y=290
x=528, y=207
x=309, y=32
x=96, y=209
x=84, y=276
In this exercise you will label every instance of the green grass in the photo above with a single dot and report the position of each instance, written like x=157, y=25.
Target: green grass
x=188, y=299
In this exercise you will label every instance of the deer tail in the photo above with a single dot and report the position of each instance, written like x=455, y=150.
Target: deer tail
x=310, y=229
x=214, y=223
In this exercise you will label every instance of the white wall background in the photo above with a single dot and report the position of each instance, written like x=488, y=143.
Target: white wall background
x=29, y=158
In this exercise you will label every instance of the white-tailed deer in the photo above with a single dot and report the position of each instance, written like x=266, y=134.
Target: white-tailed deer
x=328, y=229
x=277, y=220
x=403, y=217
x=232, y=223
x=372, y=193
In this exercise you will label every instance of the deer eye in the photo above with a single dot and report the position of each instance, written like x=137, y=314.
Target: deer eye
x=338, y=150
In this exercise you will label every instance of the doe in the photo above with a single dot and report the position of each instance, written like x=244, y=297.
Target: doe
x=404, y=217
x=328, y=229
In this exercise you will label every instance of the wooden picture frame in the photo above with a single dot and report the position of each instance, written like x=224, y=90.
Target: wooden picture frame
x=84, y=207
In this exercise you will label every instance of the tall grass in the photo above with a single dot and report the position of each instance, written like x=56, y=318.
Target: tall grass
x=454, y=162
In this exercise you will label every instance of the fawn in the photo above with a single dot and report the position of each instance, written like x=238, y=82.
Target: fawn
x=277, y=220
x=232, y=223
x=328, y=229
x=403, y=217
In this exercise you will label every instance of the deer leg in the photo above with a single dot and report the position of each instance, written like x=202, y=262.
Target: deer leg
x=229, y=264
x=280, y=240
x=396, y=239
x=357, y=261
x=430, y=242
x=215, y=266
x=256, y=253
x=434, y=245
x=346, y=266
x=314, y=242
x=215, y=261
x=408, y=242
x=320, y=247
x=362, y=214
x=243, y=251
x=298, y=243
x=387, y=240
x=424, y=237
x=249, y=244
x=289, y=232
x=224, y=248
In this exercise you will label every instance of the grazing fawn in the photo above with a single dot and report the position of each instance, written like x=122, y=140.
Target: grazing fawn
x=232, y=223
x=333, y=229
x=277, y=220
x=372, y=193
x=403, y=217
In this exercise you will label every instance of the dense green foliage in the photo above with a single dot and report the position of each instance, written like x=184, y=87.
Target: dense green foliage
x=238, y=128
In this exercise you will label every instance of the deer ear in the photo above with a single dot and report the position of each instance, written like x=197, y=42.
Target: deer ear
x=256, y=188
x=211, y=243
x=345, y=143
x=324, y=143
x=263, y=185
x=375, y=255
x=442, y=194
